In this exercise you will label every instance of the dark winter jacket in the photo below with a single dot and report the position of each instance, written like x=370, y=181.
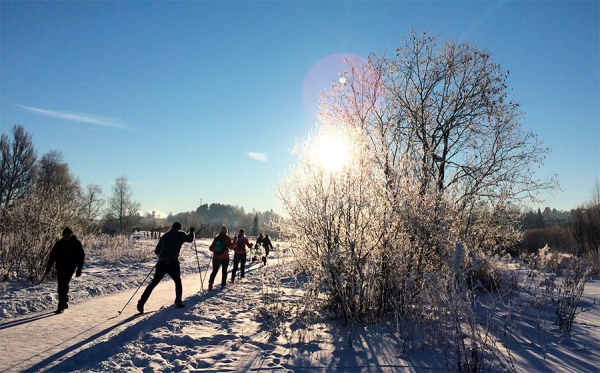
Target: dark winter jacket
x=230, y=245
x=170, y=243
x=266, y=243
x=68, y=256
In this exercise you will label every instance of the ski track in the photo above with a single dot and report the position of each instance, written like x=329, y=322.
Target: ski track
x=91, y=331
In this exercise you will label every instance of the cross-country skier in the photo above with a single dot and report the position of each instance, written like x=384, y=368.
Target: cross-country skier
x=220, y=247
x=257, y=249
x=266, y=243
x=240, y=254
x=259, y=239
x=167, y=249
x=68, y=255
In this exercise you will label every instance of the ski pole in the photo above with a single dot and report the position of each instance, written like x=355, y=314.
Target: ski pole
x=206, y=272
x=141, y=283
x=199, y=270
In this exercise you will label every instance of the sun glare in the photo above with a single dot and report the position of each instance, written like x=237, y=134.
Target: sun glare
x=333, y=151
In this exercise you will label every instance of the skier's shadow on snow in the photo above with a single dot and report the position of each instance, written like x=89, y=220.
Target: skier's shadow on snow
x=89, y=357
x=44, y=364
x=26, y=320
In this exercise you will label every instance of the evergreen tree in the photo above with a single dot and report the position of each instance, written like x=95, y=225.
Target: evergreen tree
x=254, y=230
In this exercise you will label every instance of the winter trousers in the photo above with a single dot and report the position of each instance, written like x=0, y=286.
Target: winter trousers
x=63, y=288
x=219, y=263
x=241, y=260
x=163, y=268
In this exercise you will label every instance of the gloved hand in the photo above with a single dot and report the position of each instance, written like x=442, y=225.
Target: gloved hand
x=78, y=273
x=192, y=229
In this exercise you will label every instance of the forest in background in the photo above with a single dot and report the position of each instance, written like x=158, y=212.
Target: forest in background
x=209, y=217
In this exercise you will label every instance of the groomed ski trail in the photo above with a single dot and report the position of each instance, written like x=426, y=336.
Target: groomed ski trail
x=37, y=342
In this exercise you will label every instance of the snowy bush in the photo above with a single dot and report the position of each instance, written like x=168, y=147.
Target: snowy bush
x=569, y=293
x=490, y=277
x=594, y=260
x=559, y=280
x=119, y=249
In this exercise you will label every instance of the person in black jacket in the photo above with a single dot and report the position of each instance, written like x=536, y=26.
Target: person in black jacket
x=68, y=255
x=266, y=243
x=167, y=249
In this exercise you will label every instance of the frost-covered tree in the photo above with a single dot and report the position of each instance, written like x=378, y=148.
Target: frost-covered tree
x=413, y=154
x=445, y=106
x=56, y=196
x=90, y=212
x=33, y=225
x=122, y=207
x=17, y=158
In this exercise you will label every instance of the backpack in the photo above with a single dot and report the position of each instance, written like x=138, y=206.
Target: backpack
x=219, y=245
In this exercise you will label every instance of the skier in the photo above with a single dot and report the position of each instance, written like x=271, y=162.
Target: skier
x=167, y=249
x=220, y=247
x=257, y=250
x=266, y=243
x=259, y=239
x=69, y=256
x=240, y=254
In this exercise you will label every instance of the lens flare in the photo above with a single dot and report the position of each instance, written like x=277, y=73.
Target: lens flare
x=333, y=151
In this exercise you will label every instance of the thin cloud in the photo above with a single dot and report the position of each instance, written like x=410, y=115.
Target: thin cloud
x=77, y=117
x=495, y=8
x=258, y=156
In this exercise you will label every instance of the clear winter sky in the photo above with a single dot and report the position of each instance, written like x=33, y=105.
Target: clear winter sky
x=201, y=101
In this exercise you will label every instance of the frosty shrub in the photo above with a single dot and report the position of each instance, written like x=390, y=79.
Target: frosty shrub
x=333, y=227
x=489, y=277
x=549, y=260
x=558, y=280
x=118, y=249
x=594, y=260
x=569, y=293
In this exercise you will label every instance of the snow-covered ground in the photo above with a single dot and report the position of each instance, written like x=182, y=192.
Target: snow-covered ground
x=227, y=330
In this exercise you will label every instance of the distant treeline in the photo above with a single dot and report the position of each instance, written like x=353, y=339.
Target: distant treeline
x=212, y=217
x=576, y=231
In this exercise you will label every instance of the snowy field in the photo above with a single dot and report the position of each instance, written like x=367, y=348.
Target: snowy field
x=228, y=330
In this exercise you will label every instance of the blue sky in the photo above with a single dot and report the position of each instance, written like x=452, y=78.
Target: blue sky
x=201, y=101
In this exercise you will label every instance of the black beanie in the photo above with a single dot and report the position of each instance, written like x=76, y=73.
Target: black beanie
x=67, y=230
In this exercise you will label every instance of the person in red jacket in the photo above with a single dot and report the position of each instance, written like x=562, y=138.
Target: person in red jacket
x=220, y=247
x=240, y=254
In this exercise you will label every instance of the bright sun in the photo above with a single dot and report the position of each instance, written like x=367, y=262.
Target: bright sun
x=333, y=151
